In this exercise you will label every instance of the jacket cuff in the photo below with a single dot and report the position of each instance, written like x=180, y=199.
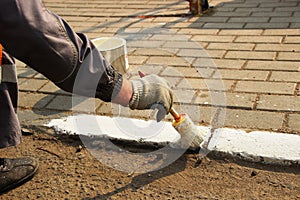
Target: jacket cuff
x=138, y=89
x=111, y=90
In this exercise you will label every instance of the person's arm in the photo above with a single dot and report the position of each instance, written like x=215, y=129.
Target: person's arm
x=48, y=44
x=124, y=96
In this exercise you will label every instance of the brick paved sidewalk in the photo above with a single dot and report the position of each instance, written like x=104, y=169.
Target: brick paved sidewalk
x=253, y=46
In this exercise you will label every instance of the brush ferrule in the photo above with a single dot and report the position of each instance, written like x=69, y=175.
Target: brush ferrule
x=178, y=120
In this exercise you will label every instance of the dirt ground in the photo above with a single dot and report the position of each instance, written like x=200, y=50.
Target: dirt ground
x=68, y=171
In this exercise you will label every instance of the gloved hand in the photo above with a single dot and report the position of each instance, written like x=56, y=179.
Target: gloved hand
x=152, y=92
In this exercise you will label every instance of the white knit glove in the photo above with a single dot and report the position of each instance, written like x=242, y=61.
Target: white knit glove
x=152, y=92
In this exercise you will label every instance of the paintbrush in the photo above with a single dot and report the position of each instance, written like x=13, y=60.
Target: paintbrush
x=190, y=134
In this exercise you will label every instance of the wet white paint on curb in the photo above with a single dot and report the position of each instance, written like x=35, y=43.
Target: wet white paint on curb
x=256, y=146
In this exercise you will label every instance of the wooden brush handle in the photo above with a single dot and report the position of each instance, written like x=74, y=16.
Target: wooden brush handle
x=175, y=114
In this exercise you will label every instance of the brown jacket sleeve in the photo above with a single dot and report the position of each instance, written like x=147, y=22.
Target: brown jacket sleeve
x=47, y=43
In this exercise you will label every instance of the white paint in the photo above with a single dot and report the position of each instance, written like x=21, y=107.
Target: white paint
x=267, y=147
x=120, y=128
x=259, y=145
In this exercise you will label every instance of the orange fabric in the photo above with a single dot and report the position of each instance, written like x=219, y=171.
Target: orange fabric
x=0, y=55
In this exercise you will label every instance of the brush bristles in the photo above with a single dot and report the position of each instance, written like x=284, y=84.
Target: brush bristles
x=191, y=136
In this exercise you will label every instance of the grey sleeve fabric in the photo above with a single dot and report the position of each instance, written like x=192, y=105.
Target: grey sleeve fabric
x=10, y=131
x=46, y=42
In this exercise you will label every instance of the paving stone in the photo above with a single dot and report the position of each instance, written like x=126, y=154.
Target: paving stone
x=85, y=24
x=284, y=19
x=292, y=39
x=192, y=31
x=170, y=37
x=186, y=45
x=195, y=25
x=77, y=18
x=20, y=64
x=103, y=19
x=128, y=31
x=295, y=25
x=241, y=4
x=174, y=61
x=25, y=72
x=283, y=32
x=61, y=103
x=219, y=63
x=277, y=47
x=106, y=108
x=249, y=19
x=216, y=53
x=139, y=6
x=40, y=76
x=271, y=14
x=243, y=74
x=145, y=44
x=112, y=30
x=279, y=103
x=164, y=19
x=96, y=35
x=147, y=69
x=212, y=19
x=31, y=84
x=259, y=39
x=137, y=60
x=253, y=119
x=147, y=25
x=228, y=64
x=257, y=9
x=265, y=87
x=289, y=56
x=205, y=84
x=272, y=65
x=75, y=104
x=282, y=25
x=205, y=62
x=179, y=25
x=184, y=96
x=296, y=14
x=198, y=53
x=223, y=9
x=232, y=14
x=226, y=25
x=38, y=117
x=97, y=13
x=251, y=55
x=277, y=5
x=233, y=100
x=285, y=76
x=287, y=9
x=153, y=52
x=213, y=38
x=172, y=81
x=185, y=72
x=34, y=100
x=241, y=32
x=294, y=122
x=52, y=88
x=231, y=46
